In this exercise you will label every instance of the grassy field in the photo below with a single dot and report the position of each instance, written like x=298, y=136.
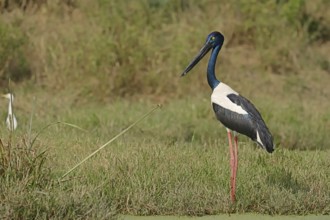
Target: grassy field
x=228, y=217
x=176, y=162
x=102, y=65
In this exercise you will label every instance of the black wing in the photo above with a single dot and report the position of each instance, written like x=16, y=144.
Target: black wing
x=257, y=121
x=246, y=105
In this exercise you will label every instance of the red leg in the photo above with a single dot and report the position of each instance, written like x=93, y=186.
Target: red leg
x=232, y=165
x=236, y=160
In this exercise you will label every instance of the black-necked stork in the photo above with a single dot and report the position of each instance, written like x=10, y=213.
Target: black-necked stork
x=234, y=111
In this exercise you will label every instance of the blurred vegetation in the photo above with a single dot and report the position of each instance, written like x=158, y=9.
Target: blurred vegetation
x=139, y=47
x=12, y=59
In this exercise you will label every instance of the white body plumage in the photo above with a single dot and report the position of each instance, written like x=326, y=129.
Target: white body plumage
x=220, y=97
x=11, y=120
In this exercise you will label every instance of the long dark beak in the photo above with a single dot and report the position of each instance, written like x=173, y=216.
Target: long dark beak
x=206, y=48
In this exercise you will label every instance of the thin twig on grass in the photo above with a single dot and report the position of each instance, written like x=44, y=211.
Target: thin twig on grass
x=113, y=139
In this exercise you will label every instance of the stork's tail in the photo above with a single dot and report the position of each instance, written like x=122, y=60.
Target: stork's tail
x=265, y=138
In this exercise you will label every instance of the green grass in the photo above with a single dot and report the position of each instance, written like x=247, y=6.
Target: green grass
x=228, y=217
x=175, y=162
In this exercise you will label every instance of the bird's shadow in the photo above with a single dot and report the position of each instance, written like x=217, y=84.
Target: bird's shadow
x=285, y=179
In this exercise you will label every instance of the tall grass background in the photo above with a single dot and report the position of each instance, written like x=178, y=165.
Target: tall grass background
x=101, y=64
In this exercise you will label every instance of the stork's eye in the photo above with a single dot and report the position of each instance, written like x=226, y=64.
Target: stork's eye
x=213, y=38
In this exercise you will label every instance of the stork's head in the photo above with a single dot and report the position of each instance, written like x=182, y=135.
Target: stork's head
x=214, y=39
x=8, y=96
